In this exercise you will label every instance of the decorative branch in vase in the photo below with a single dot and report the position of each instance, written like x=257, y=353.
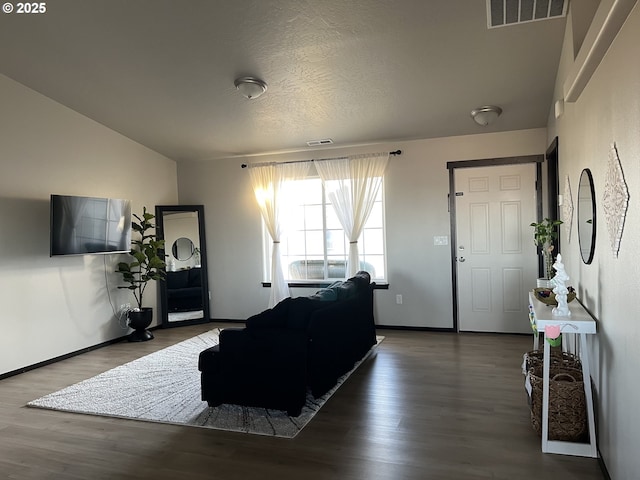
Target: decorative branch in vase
x=146, y=264
x=544, y=234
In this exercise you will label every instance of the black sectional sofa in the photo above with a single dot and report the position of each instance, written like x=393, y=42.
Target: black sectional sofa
x=302, y=343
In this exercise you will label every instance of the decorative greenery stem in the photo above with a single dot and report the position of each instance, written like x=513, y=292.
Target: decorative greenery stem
x=544, y=234
x=146, y=264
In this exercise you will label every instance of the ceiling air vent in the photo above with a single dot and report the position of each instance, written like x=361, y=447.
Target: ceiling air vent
x=318, y=143
x=501, y=13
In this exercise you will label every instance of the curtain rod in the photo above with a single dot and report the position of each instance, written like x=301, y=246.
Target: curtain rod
x=244, y=165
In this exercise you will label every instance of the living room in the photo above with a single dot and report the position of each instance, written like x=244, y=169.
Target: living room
x=57, y=306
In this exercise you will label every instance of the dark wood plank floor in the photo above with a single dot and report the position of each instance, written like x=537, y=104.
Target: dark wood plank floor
x=424, y=406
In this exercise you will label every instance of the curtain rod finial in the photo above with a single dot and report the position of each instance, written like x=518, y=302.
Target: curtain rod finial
x=244, y=165
x=396, y=152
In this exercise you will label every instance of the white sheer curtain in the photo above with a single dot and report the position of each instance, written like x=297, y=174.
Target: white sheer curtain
x=268, y=182
x=352, y=185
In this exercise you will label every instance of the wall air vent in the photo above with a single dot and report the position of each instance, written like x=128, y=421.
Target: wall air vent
x=501, y=13
x=319, y=143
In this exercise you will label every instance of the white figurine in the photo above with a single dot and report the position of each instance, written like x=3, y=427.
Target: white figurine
x=560, y=289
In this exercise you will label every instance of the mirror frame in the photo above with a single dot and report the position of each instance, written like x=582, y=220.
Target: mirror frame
x=162, y=285
x=586, y=174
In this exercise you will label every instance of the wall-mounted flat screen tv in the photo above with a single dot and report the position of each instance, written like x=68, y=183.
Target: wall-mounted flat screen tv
x=83, y=225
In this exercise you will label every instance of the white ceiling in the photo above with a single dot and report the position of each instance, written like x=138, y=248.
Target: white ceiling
x=357, y=71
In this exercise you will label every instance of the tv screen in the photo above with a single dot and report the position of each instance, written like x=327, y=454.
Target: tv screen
x=82, y=225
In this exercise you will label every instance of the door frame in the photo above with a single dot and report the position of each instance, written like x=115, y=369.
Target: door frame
x=553, y=191
x=486, y=162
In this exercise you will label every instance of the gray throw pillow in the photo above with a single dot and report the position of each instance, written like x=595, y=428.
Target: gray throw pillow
x=326, y=295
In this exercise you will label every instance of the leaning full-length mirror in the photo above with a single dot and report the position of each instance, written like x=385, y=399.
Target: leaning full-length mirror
x=184, y=295
x=586, y=216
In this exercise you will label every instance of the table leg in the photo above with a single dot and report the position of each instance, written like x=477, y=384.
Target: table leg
x=545, y=397
x=563, y=447
x=586, y=378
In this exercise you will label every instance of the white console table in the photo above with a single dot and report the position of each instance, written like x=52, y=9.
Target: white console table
x=581, y=324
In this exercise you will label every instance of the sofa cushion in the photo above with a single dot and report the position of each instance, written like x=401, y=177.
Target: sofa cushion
x=325, y=295
x=362, y=277
x=350, y=288
x=347, y=290
x=272, y=317
x=300, y=310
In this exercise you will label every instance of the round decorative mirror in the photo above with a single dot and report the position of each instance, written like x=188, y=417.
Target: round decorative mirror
x=586, y=216
x=182, y=249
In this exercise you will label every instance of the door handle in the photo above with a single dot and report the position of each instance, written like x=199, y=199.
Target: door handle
x=461, y=259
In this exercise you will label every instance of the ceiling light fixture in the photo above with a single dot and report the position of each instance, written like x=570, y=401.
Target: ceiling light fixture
x=250, y=87
x=485, y=115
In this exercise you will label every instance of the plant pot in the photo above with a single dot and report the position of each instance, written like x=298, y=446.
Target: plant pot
x=139, y=321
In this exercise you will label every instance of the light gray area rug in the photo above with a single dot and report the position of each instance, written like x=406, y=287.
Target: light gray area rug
x=165, y=387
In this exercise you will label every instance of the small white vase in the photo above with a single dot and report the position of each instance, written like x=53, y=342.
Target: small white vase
x=543, y=283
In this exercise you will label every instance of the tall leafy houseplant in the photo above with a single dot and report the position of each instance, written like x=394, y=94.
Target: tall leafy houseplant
x=544, y=234
x=146, y=265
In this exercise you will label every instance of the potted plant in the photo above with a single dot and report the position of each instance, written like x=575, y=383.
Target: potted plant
x=146, y=264
x=544, y=234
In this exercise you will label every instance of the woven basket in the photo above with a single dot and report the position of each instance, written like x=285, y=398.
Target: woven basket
x=557, y=358
x=567, y=403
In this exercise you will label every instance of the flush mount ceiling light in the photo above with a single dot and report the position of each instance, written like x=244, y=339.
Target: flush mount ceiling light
x=250, y=87
x=485, y=115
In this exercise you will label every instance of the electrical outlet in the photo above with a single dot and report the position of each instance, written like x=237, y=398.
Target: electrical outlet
x=441, y=240
x=399, y=299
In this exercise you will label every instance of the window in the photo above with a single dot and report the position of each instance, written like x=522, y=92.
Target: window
x=313, y=244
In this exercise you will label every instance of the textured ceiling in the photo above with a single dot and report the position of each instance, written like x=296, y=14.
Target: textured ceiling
x=161, y=72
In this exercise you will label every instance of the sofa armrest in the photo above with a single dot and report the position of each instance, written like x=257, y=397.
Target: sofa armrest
x=339, y=335
x=264, y=367
x=345, y=319
x=345, y=316
x=244, y=344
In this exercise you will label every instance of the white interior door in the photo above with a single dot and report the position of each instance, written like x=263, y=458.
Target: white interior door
x=496, y=257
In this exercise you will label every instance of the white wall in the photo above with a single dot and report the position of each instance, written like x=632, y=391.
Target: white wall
x=608, y=111
x=416, y=189
x=53, y=306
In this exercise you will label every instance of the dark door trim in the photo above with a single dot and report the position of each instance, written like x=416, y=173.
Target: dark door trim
x=487, y=162
x=553, y=190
